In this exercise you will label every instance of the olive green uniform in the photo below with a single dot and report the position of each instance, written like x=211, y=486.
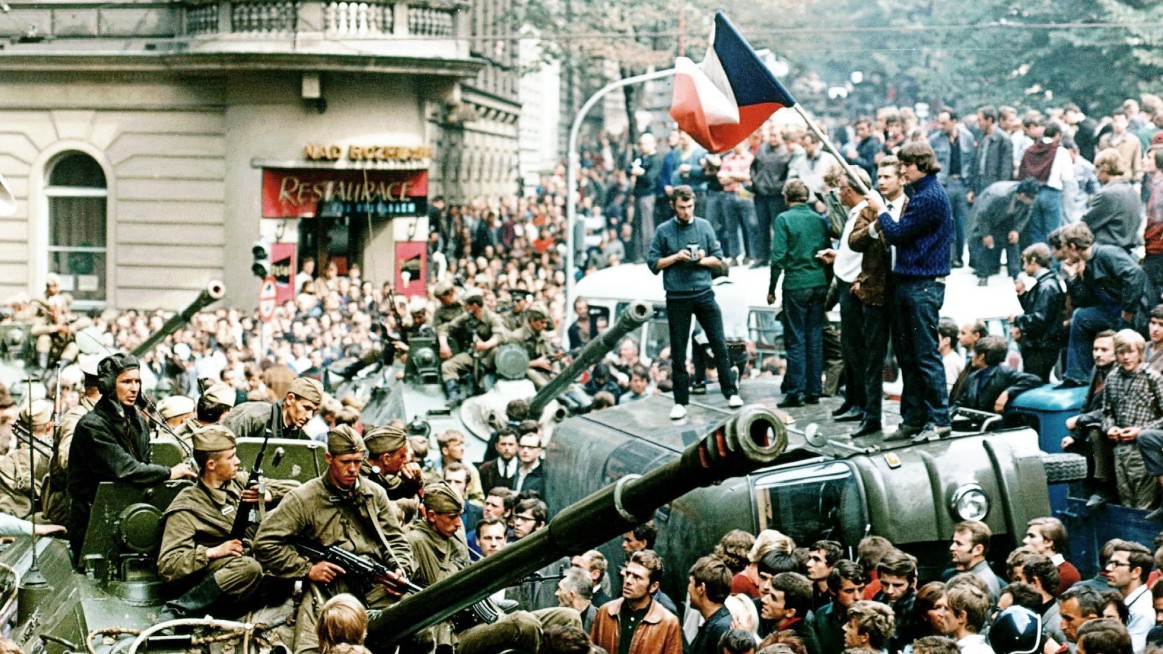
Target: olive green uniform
x=320, y=512
x=201, y=517
x=255, y=419
x=395, y=486
x=15, y=478
x=56, y=498
x=536, y=346
x=438, y=557
x=461, y=330
x=446, y=314
x=513, y=320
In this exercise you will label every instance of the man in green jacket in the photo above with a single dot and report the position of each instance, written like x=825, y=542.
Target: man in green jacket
x=798, y=238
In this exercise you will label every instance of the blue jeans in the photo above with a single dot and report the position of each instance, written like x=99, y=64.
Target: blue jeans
x=917, y=304
x=959, y=204
x=1045, y=217
x=803, y=338
x=717, y=215
x=678, y=319
x=767, y=207
x=739, y=215
x=1084, y=324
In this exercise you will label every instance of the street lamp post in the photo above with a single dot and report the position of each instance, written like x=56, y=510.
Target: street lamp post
x=571, y=175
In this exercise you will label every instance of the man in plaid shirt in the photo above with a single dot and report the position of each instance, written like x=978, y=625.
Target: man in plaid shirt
x=1133, y=409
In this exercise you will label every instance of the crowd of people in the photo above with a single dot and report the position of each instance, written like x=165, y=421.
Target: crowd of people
x=1070, y=205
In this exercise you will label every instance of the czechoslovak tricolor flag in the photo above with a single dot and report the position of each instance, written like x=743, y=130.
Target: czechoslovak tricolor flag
x=732, y=93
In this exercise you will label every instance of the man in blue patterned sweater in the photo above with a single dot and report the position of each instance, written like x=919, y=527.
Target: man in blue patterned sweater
x=922, y=238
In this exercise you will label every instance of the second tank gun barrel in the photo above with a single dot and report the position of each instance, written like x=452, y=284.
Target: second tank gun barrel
x=213, y=292
x=634, y=315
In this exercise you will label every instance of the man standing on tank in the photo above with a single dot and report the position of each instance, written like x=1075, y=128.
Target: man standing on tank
x=685, y=250
x=922, y=237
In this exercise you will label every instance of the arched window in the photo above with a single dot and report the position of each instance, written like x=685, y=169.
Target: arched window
x=77, y=196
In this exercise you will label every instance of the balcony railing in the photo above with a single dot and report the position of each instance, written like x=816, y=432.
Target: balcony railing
x=342, y=19
x=358, y=18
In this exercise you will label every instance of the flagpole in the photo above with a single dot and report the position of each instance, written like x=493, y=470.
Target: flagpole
x=571, y=178
x=856, y=181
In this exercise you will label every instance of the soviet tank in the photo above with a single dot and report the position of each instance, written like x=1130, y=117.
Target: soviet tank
x=46, y=605
x=413, y=393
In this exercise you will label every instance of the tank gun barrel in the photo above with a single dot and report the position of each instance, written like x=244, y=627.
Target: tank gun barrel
x=212, y=293
x=752, y=439
x=637, y=313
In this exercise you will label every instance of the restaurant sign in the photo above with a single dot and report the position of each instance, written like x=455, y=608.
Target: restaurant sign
x=311, y=193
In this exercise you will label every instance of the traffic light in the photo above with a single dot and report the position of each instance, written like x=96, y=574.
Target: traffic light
x=261, y=252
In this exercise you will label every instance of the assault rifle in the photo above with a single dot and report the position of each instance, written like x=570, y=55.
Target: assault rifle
x=482, y=612
x=242, y=518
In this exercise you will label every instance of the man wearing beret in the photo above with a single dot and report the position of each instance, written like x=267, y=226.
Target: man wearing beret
x=56, y=493
x=15, y=473
x=212, y=406
x=284, y=419
x=476, y=330
x=438, y=544
x=197, y=552
x=532, y=336
x=390, y=464
x=113, y=441
x=449, y=307
x=514, y=319
x=336, y=509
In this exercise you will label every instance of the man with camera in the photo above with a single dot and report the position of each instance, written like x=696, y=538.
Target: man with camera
x=686, y=251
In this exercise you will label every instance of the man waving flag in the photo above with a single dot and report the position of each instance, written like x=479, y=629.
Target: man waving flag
x=726, y=98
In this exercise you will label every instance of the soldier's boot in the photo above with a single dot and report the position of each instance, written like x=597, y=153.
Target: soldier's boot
x=452, y=389
x=193, y=603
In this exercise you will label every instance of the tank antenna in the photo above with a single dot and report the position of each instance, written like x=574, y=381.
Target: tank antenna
x=34, y=576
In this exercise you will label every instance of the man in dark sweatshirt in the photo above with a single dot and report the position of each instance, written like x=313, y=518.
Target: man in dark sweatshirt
x=922, y=238
x=685, y=250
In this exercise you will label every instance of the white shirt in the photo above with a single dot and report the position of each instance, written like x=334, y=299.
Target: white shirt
x=974, y=644
x=847, y=264
x=1141, y=619
x=1062, y=170
x=954, y=364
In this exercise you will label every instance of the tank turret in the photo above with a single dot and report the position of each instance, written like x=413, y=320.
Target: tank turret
x=741, y=444
x=637, y=313
x=209, y=295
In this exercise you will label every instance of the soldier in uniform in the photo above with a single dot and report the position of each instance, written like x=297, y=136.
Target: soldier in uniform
x=197, y=550
x=389, y=462
x=337, y=509
x=212, y=406
x=438, y=544
x=515, y=318
x=17, y=470
x=56, y=498
x=449, y=307
x=54, y=327
x=282, y=419
x=476, y=330
x=532, y=336
x=175, y=410
x=113, y=441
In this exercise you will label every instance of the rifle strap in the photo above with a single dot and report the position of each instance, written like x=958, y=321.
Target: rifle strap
x=375, y=522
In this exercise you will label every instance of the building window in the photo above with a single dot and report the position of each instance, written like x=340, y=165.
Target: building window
x=77, y=196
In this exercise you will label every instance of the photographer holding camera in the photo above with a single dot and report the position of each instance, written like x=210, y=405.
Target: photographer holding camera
x=686, y=249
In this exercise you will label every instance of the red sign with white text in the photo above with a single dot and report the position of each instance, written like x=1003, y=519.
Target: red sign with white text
x=411, y=268
x=318, y=193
